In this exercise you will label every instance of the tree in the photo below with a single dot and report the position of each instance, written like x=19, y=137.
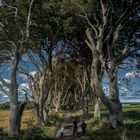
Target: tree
x=49, y=30
x=14, y=35
x=103, y=38
x=40, y=82
x=60, y=86
x=82, y=80
x=46, y=35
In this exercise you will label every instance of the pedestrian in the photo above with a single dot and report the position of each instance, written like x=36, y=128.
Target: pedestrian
x=62, y=131
x=75, y=127
x=1, y=134
x=83, y=127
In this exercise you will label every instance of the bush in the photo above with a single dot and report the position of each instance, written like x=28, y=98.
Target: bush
x=5, y=105
x=34, y=133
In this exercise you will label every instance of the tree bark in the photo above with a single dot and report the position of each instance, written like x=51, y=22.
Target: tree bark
x=84, y=107
x=115, y=116
x=21, y=109
x=113, y=103
x=16, y=112
x=97, y=113
x=14, y=118
x=41, y=111
x=45, y=114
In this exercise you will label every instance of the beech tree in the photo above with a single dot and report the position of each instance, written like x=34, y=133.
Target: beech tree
x=60, y=86
x=103, y=38
x=81, y=79
x=46, y=34
x=14, y=36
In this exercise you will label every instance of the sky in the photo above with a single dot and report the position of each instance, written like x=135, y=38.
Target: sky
x=128, y=93
x=129, y=85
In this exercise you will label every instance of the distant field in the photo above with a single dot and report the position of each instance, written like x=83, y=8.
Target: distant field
x=31, y=131
x=28, y=117
x=131, y=113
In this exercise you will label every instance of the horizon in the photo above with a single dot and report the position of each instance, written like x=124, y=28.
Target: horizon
x=128, y=93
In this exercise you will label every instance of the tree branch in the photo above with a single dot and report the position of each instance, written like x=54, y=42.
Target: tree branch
x=90, y=41
x=4, y=82
x=3, y=90
x=86, y=17
x=28, y=20
x=12, y=7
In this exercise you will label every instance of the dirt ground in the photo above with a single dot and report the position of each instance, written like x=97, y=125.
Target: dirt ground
x=68, y=130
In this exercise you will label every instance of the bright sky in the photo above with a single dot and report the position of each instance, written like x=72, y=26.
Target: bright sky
x=127, y=94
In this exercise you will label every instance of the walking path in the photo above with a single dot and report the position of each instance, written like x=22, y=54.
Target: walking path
x=67, y=123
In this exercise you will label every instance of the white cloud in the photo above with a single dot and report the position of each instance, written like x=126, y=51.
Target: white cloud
x=23, y=76
x=123, y=88
x=33, y=73
x=105, y=88
x=6, y=80
x=133, y=74
x=23, y=85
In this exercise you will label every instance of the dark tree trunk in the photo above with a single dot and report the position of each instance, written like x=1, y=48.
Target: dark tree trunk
x=1, y=134
x=21, y=109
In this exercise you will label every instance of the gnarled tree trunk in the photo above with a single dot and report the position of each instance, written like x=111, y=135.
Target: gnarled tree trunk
x=97, y=113
x=14, y=118
x=84, y=105
x=113, y=103
x=16, y=112
x=115, y=116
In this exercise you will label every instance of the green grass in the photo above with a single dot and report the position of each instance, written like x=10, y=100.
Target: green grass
x=29, y=129
x=50, y=131
x=100, y=130
x=4, y=119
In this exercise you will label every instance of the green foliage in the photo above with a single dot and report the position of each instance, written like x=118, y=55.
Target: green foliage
x=55, y=119
x=50, y=132
x=13, y=19
x=131, y=112
x=34, y=133
x=5, y=105
x=101, y=130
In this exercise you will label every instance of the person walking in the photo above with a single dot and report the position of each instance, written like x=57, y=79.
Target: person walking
x=61, y=131
x=83, y=127
x=1, y=134
x=75, y=127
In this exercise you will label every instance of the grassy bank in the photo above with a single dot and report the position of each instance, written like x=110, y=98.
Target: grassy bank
x=28, y=117
x=29, y=129
x=100, y=130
